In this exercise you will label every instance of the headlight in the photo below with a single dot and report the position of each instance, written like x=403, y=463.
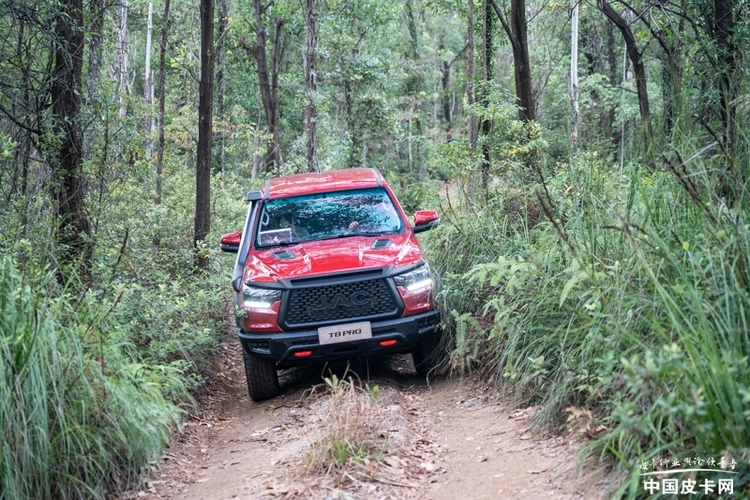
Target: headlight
x=259, y=298
x=415, y=279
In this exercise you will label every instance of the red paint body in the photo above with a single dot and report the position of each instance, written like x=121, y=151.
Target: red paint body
x=294, y=289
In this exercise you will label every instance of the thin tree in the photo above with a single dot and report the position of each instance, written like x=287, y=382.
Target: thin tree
x=517, y=31
x=574, y=76
x=414, y=86
x=309, y=115
x=162, y=94
x=205, y=133
x=148, y=87
x=97, y=10
x=121, y=57
x=221, y=79
x=636, y=59
x=488, y=52
x=268, y=79
x=473, y=122
x=446, y=69
x=723, y=34
x=74, y=231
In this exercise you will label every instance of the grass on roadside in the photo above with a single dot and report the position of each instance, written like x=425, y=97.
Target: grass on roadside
x=631, y=302
x=72, y=423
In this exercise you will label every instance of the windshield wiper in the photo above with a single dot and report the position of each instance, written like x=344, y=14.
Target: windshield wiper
x=280, y=244
x=371, y=234
x=335, y=237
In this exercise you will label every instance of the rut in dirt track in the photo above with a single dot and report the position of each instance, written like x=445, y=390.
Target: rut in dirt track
x=448, y=439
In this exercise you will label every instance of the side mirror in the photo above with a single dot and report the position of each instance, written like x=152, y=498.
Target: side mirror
x=231, y=242
x=425, y=220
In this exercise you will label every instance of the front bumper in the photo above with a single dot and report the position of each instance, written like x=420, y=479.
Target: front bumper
x=282, y=346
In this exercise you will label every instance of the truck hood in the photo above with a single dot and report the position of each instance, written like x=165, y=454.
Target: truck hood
x=313, y=258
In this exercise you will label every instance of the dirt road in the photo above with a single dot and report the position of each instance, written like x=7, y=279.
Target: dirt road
x=445, y=440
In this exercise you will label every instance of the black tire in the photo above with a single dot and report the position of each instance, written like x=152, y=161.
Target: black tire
x=262, y=377
x=428, y=354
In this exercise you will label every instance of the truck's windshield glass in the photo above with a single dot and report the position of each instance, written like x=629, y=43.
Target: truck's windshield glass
x=320, y=216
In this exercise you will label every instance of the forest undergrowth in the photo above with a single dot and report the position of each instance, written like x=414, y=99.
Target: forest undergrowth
x=94, y=377
x=616, y=294
x=619, y=294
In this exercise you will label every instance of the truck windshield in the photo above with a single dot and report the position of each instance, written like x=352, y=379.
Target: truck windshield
x=321, y=216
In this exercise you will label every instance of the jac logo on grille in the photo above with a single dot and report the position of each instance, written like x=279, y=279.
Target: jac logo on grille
x=360, y=298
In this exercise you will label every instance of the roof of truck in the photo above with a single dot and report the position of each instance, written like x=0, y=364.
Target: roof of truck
x=332, y=180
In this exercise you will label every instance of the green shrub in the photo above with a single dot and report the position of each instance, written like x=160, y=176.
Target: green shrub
x=631, y=302
x=79, y=418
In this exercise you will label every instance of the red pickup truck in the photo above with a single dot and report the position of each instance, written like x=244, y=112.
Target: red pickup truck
x=328, y=267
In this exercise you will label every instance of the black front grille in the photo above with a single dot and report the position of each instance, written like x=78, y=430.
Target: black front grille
x=360, y=299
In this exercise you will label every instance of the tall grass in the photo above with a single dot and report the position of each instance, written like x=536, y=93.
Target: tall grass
x=632, y=302
x=93, y=379
x=74, y=423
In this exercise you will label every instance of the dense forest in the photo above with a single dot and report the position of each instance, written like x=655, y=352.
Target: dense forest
x=590, y=161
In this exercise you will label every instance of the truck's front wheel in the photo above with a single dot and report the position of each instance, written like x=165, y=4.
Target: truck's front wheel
x=262, y=377
x=427, y=354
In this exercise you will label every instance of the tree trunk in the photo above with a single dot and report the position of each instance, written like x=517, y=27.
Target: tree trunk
x=205, y=133
x=414, y=86
x=615, y=79
x=221, y=84
x=148, y=87
x=516, y=31
x=268, y=80
x=97, y=10
x=723, y=30
x=487, y=73
x=614, y=73
x=355, y=134
x=521, y=64
x=671, y=73
x=97, y=13
x=574, y=76
x=636, y=60
x=309, y=114
x=445, y=69
x=74, y=233
x=162, y=94
x=275, y=124
x=473, y=122
x=121, y=58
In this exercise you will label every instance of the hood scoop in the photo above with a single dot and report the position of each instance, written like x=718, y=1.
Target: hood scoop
x=381, y=243
x=284, y=255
